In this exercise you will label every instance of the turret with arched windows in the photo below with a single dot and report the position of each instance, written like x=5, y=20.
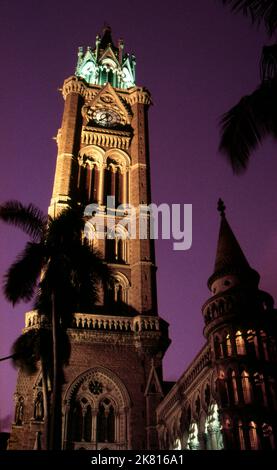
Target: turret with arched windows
x=227, y=397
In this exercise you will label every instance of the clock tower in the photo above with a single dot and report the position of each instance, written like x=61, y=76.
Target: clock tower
x=114, y=381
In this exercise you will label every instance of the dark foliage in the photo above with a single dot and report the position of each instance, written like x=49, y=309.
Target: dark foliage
x=247, y=123
x=258, y=10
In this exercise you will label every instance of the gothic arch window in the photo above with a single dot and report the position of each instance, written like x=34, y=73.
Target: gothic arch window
x=246, y=387
x=259, y=388
x=38, y=407
x=222, y=388
x=272, y=388
x=268, y=437
x=88, y=182
x=117, y=245
x=96, y=411
x=217, y=347
x=118, y=291
x=197, y=405
x=272, y=348
x=90, y=174
x=263, y=337
x=207, y=395
x=240, y=345
x=253, y=436
x=226, y=345
x=19, y=411
x=105, y=421
x=241, y=435
x=232, y=387
x=252, y=343
x=82, y=420
x=90, y=234
x=116, y=180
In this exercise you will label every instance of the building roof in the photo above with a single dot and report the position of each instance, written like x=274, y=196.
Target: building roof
x=230, y=258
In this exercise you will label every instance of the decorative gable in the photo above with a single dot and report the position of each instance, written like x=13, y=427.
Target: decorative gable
x=107, y=99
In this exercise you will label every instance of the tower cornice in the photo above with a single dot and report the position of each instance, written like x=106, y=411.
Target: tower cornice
x=132, y=96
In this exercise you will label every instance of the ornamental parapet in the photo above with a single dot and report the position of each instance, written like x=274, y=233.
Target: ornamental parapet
x=88, y=321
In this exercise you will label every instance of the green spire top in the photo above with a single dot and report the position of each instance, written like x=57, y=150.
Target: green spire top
x=106, y=63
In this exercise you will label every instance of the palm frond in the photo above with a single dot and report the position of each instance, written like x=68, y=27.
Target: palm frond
x=20, y=280
x=258, y=10
x=248, y=123
x=36, y=345
x=29, y=218
x=268, y=62
x=65, y=229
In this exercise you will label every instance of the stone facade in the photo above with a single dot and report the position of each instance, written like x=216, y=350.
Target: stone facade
x=110, y=392
x=114, y=395
x=226, y=399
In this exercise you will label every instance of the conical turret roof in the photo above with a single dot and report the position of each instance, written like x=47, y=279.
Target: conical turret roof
x=229, y=258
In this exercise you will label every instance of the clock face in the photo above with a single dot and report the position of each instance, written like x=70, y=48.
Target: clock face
x=106, y=117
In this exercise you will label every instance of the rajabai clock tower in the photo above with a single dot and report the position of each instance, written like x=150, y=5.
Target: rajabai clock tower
x=113, y=382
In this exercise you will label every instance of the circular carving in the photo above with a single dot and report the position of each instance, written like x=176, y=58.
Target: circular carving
x=106, y=117
x=95, y=387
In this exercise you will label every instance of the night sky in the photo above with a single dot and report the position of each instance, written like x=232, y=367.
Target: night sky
x=197, y=59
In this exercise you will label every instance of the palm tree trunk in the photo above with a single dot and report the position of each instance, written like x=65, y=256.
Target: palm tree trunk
x=55, y=429
x=45, y=405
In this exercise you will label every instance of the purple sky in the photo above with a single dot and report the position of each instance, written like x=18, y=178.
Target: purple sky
x=197, y=60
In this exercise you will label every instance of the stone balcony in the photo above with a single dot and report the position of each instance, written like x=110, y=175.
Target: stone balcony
x=85, y=321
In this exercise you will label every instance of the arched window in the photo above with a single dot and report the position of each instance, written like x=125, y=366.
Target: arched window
x=19, y=411
x=232, y=387
x=217, y=348
x=105, y=422
x=222, y=387
x=252, y=344
x=241, y=435
x=118, y=291
x=81, y=421
x=246, y=387
x=264, y=344
x=253, y=436
x=87, y=423
x=88, y=181
x=272, y=388
x=259, y=389
x=77, y=422
x=116, y=177
x=272, y=348
x=89, y=234
x=115, y=182
x=117, y=245
x=228, y=345
x=38, y=407
x=240, y=343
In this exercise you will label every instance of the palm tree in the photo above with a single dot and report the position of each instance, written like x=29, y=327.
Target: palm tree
x=254, y=117
x=64, y=272
x=258, y=10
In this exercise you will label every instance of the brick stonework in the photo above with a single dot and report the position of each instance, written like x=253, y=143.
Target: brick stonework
x=121, y=359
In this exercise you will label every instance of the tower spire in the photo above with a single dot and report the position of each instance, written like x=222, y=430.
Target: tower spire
x=221, y=207
x=230, y=258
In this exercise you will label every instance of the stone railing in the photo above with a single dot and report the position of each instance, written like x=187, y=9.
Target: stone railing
x=103, y=322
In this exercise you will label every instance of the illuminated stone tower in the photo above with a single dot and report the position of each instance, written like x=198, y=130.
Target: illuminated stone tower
x=227, y=397
x=114, y=379
x=241, y=329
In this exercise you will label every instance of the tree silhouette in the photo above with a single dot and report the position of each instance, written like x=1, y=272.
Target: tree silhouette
x=254, y=117
x=63, y=272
